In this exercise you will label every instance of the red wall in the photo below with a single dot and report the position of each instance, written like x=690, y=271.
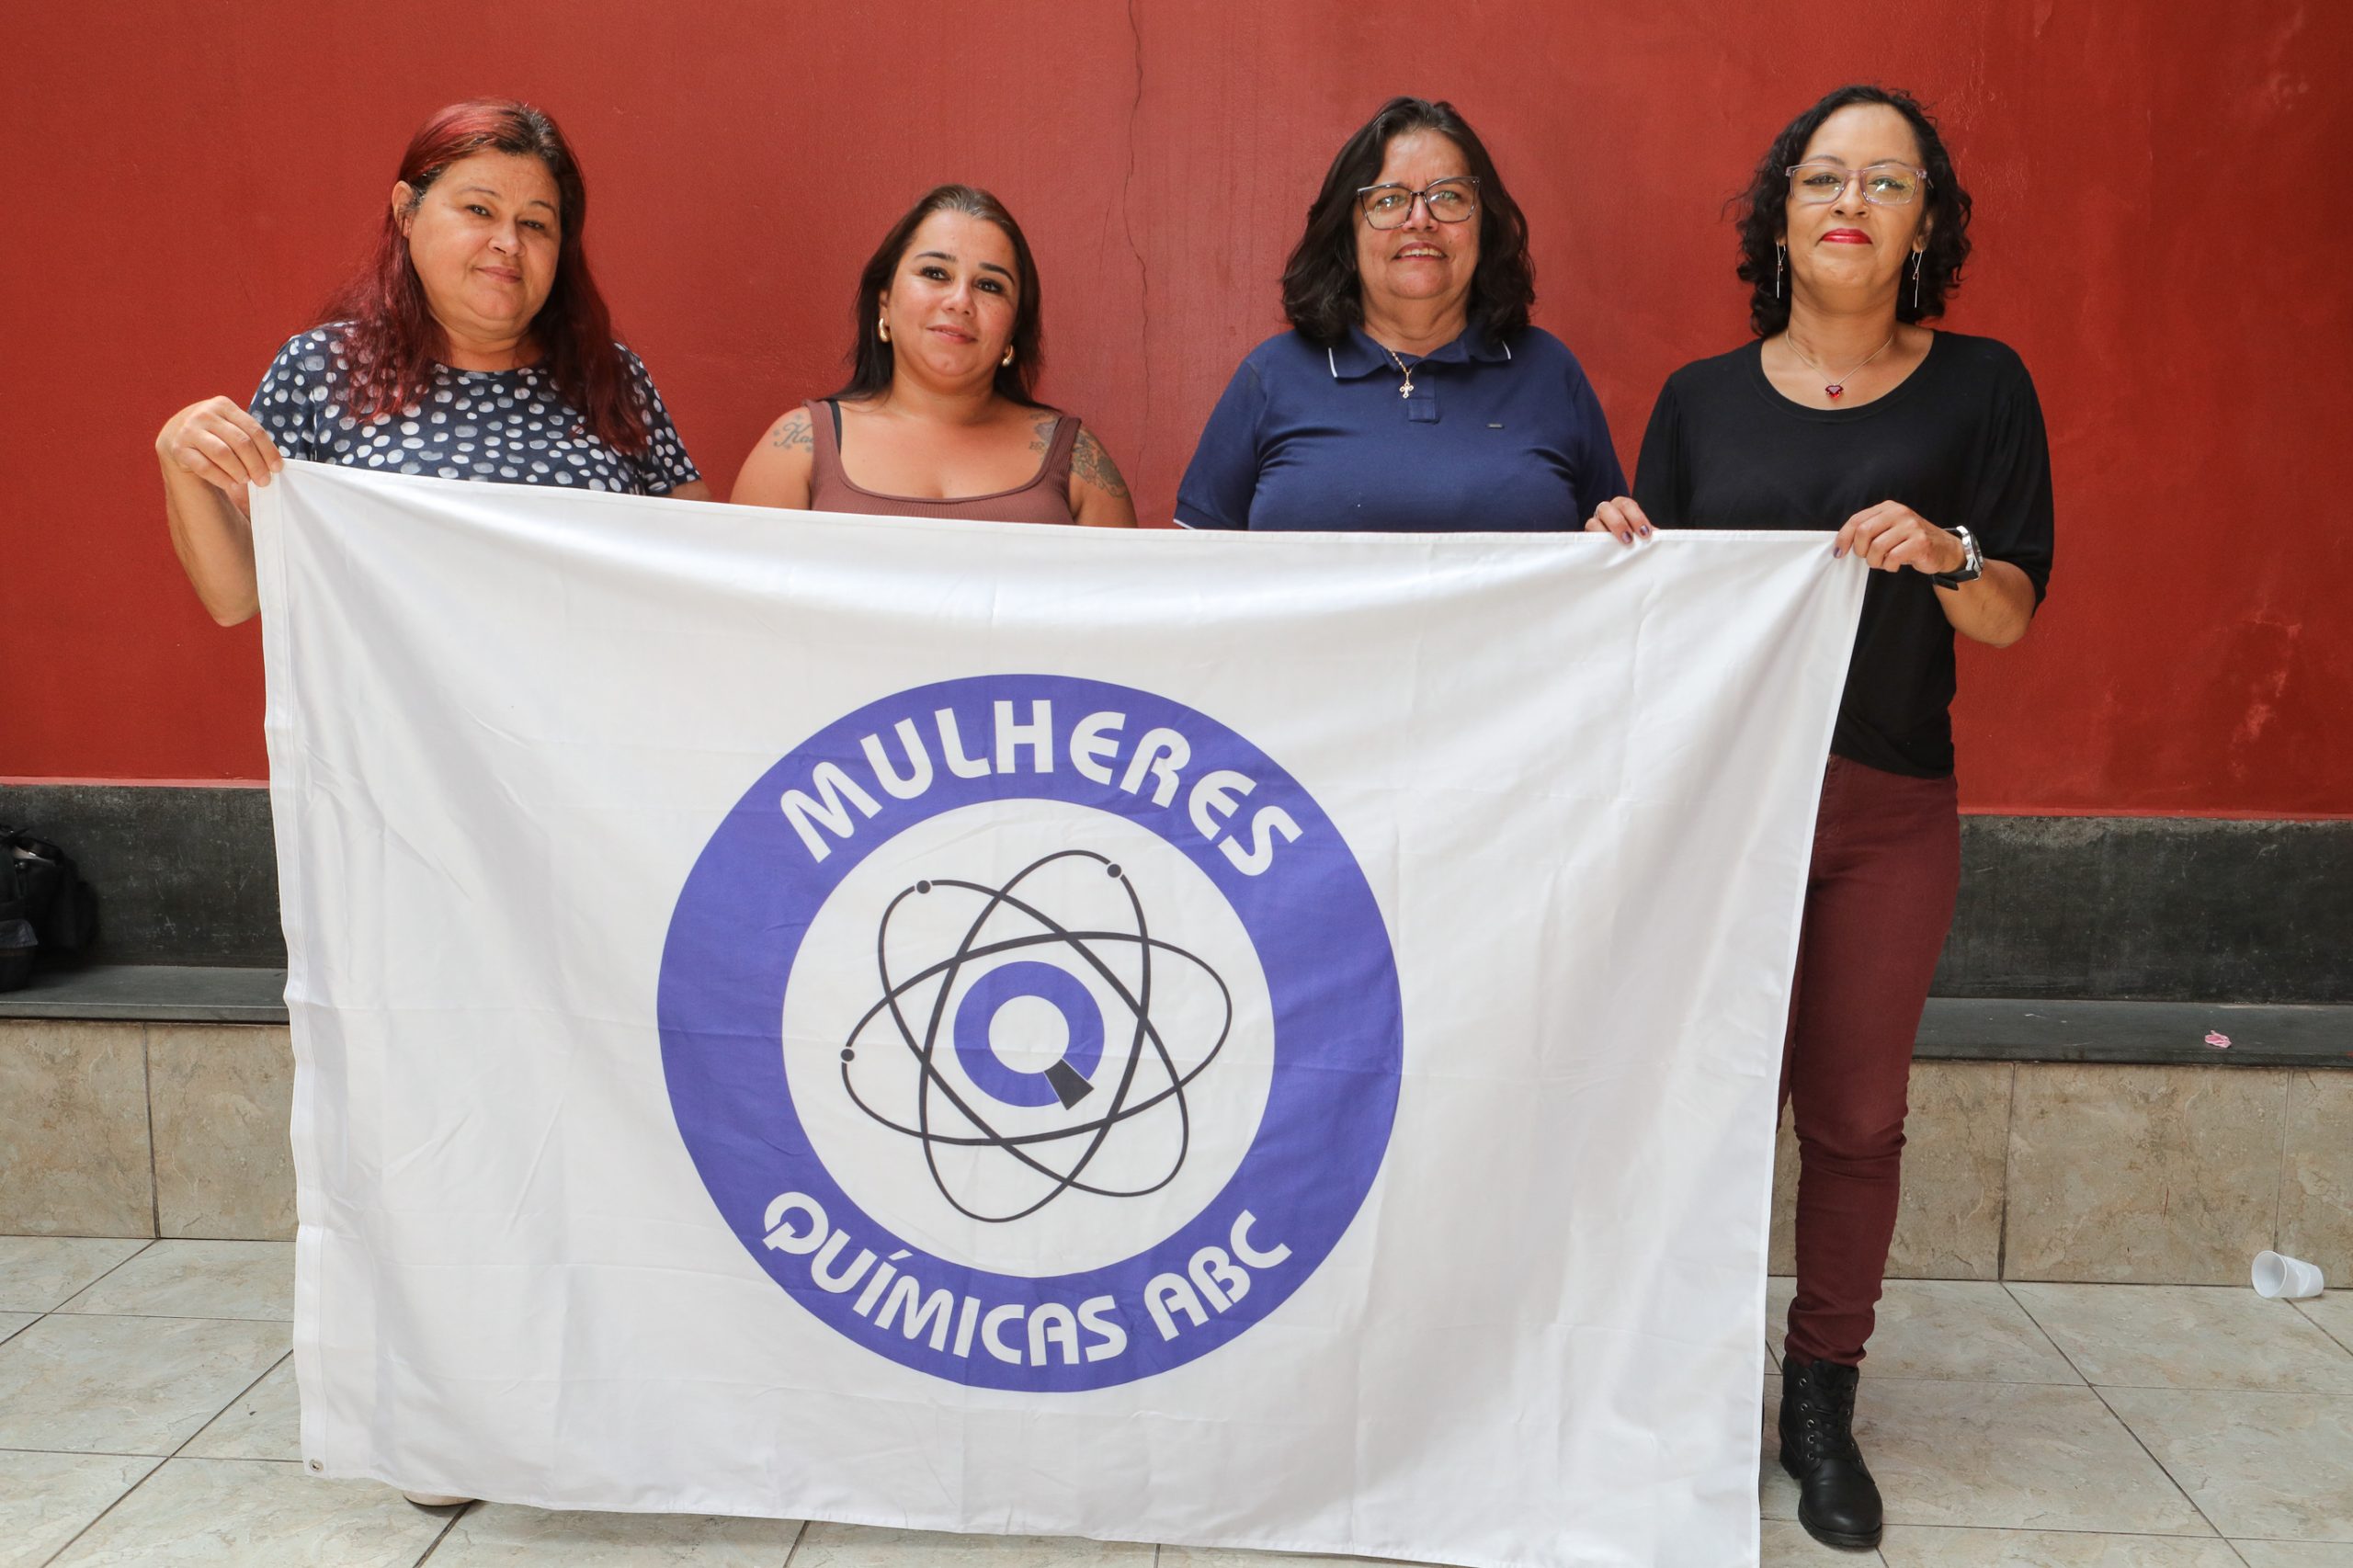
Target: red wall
x=2162, y=232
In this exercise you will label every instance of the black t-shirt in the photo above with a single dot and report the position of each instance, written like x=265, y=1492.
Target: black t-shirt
x=1960, y=441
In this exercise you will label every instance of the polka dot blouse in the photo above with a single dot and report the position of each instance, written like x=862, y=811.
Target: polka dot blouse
x=499, y=426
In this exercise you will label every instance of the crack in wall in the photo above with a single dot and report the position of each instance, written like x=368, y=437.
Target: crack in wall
x=1127, y=208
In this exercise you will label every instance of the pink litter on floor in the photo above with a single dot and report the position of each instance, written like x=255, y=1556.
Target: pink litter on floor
x=2218, y=1040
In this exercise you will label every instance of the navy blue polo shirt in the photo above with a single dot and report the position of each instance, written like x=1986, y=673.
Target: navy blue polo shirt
x=1494, y=437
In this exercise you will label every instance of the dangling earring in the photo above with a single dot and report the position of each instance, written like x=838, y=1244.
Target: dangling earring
x=1918, y=256
x=1007, y=360
x=882, y=325
x=1779, y=251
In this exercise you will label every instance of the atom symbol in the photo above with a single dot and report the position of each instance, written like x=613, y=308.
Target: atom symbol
x=1150, y=1083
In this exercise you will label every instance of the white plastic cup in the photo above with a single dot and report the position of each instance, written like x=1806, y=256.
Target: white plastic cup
x=2280, y=1277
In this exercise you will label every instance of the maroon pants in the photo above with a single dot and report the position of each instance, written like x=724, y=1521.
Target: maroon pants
x=1879, y=900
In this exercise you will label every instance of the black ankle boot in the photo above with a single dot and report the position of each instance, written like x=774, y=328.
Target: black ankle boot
x=1837, y=1500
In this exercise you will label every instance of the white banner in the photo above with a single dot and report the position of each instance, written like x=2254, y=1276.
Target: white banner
x=1263, y=1041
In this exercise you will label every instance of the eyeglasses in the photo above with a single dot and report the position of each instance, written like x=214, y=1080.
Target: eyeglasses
x=1451, y=200
x=1820, y=181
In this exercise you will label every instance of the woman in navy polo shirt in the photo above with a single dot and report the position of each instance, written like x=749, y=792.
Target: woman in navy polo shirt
x=1411, y=393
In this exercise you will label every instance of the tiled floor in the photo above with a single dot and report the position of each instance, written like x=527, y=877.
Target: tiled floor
x=147, y=1416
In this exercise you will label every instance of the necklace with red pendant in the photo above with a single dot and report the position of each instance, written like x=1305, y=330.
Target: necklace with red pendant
x=1835, y=389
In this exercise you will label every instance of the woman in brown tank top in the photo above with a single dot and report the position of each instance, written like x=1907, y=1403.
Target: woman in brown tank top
x=937, y=420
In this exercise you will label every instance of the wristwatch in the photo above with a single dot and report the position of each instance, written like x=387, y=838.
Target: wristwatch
x=1973, y=565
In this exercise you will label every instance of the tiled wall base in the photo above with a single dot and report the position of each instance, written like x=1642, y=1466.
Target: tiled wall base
x=146, y=1129
x=2143, y=1175
x=2174, y=1176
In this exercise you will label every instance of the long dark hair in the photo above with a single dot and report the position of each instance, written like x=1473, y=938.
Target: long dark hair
x=1323, y=297
x=870, y=357
x=1761, y=212
x=391, y=339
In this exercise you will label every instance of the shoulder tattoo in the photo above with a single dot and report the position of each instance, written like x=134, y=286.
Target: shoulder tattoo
x=1041, y=434
x=791, y=432
x=1094, y=466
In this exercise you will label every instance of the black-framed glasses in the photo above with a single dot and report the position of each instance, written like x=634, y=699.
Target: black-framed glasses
x=1818, y=182
x=1451, y=200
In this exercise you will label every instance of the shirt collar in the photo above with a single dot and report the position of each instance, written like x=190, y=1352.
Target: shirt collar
x=1358, y=354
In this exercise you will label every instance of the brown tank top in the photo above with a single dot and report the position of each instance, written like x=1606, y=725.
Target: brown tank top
x=1045, y=499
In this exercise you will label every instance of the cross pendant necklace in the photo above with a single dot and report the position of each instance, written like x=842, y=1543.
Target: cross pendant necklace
x=1834, y=390
x=1404, y=370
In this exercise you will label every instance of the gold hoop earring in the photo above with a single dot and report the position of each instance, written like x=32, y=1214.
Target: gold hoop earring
x=882, y=325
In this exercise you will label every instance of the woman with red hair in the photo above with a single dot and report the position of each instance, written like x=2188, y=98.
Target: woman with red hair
x=473, y=345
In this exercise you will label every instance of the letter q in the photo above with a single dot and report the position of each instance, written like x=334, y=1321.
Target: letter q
x=782, y=1236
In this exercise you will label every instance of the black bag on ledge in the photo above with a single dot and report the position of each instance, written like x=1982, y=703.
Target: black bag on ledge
x=46, y=909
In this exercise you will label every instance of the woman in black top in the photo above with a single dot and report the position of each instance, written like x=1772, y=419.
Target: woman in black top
x=1926, y=452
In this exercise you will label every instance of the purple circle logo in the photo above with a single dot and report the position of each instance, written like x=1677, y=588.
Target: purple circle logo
x=1068, y=1078
x=1033, y=1032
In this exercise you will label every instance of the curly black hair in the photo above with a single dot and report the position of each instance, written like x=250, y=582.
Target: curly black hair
x=1761, y=212
x=1323, y=297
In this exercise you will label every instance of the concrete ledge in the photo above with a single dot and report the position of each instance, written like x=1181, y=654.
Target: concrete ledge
x=165, y=993
x=1960, y=1029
